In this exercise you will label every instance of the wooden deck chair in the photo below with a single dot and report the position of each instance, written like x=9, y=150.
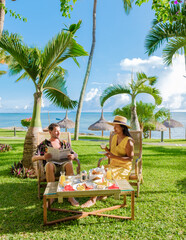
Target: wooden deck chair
x=40, y=170
x=136, y=177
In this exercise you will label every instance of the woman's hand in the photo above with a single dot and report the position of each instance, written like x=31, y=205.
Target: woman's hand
x=106, y=149
x=109, y=155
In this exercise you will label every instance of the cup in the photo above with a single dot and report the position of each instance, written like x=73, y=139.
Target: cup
x=109, y=174
x=103, y=145
x=62, y=179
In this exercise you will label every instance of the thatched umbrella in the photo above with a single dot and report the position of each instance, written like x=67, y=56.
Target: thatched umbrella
x=66, y=123
x=159, y=127
x=171, y=123
x=101, y=125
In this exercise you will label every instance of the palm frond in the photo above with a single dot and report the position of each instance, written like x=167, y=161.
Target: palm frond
x=23, y=76
x=171, y=48
x=127, y=4
x=156, y=37
x=55, y=90
x=20, y=52
x=112, y=91
x=61, y=47
x=154, y=92
x=162, y=32
x=142, y=78
x=2, y=73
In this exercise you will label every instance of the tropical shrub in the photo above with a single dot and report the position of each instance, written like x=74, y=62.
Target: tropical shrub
x=26, y=122
x=5, y=147
x=19, y=171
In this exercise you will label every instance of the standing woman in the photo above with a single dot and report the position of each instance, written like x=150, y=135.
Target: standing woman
x=121, y=153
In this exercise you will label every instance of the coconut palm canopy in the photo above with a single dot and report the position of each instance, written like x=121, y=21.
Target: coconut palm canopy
x=66, y=123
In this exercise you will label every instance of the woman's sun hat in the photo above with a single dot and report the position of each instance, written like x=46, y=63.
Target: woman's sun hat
x=119, y=120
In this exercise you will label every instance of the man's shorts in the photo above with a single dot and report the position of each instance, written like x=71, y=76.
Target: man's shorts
x=58, y=168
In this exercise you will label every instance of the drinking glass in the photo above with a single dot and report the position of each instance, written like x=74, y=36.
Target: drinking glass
x=103, y=145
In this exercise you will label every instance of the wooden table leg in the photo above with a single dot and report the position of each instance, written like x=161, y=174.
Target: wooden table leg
x=44, y=210
x=132, y=205
x=124, y=199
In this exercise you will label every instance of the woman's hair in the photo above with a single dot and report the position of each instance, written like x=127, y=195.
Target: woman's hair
x=52, y=126
x=125, y=131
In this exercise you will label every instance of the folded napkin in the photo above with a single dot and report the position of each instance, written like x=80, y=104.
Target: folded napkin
x=114, y=186
x=68, y=188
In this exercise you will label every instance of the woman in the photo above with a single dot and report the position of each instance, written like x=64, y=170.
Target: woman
x=120, y=153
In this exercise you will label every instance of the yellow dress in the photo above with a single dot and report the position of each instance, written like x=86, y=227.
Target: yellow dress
x=120, y=169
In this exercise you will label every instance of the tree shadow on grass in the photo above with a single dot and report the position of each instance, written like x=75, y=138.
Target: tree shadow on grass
x=181, y=184
x=21, y=211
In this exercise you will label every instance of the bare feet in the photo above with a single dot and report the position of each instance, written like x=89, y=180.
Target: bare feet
x=73, y=202
x=49, y=202
x=89, y=203
x=100, y=198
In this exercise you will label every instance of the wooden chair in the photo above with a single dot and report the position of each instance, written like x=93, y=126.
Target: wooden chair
x=136, y=177
x=40, y=169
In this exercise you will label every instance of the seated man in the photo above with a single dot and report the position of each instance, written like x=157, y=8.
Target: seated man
x=53, y=168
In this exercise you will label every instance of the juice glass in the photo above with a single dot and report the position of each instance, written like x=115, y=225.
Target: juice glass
x=62, y=179
x=109, y=174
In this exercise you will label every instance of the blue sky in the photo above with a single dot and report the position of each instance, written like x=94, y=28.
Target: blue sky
x=119, y=50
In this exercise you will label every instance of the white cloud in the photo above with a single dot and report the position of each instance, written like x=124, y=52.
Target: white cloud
x=138, y=64
x=171, y=81
x=0, y=102
x=25, y=107
x=91, y=94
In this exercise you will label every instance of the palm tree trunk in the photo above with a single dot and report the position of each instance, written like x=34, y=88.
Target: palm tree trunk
x=2, y=16
x=134, y=123
x=30, y=143
x=80, y=104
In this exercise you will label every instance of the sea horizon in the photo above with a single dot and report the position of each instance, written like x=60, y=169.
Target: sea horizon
x=87, y=119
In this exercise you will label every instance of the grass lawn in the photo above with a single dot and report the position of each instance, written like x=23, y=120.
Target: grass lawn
x=159, y=211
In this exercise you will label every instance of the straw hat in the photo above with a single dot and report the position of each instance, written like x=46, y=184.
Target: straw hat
x=119, y=120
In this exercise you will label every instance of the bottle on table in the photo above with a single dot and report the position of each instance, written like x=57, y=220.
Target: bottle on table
x=62, y=179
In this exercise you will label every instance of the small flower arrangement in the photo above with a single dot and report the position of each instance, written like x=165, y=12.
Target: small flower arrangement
x=5, y=147
x=19, y=171
x=26, y=122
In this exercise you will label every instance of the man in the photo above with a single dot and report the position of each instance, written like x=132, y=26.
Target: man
x=52, y=167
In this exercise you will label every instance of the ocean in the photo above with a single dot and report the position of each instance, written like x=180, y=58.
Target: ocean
x=88, y=118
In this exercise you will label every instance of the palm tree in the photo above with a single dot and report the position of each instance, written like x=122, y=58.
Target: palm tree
x=127, y=7
x=173, y=33
x=133, y=89
x=146, y=114
x=42, y=67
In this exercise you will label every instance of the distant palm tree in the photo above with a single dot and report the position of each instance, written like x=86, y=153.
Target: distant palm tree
x=174, y=34
x=127, y=7
x=133, y=89
x=42, y=67
x=146, y=113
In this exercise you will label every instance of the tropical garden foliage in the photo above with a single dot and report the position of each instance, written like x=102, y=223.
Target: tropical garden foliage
x=174, y=34
x=147, y=113
x=42, y=67
x=133, y=89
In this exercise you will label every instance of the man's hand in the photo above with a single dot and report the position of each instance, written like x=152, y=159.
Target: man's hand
x=47, y=156
x=71, y=156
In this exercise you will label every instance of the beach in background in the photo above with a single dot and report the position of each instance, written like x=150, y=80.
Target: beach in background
x=88, y=118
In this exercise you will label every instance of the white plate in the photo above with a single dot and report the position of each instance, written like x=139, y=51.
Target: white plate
x=88, y=185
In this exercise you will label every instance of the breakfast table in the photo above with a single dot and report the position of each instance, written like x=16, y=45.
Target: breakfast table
x=116, y=188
